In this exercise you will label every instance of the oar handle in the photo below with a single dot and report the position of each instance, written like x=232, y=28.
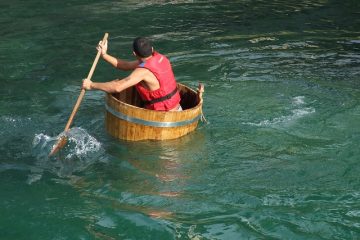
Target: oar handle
x=96, y=58
x=82, y=93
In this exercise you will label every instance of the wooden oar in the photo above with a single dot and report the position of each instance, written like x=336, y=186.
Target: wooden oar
x=62, y=141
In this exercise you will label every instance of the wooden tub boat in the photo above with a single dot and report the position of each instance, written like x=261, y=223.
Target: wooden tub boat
x=127, y=120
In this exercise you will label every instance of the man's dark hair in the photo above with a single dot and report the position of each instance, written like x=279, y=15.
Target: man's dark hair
x=142, y=47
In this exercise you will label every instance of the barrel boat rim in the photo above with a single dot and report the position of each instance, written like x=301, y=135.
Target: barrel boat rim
x=198, y=105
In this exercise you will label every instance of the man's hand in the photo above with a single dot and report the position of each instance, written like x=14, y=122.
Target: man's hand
x=102, y=47
x=87, y=84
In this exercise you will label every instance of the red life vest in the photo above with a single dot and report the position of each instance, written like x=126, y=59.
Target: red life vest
x=167, y=97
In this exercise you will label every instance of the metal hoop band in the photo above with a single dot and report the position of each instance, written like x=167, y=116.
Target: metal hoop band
x=150, y=123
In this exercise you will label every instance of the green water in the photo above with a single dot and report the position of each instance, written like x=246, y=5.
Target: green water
x=279, y=158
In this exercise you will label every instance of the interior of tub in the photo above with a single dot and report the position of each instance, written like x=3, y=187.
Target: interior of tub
x=189, y=98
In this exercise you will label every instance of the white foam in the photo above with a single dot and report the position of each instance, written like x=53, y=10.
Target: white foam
x=297, y=113
x=299, y=100
x=262, y=39
x=84, y=143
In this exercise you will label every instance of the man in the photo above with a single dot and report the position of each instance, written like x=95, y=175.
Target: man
x=152, y=76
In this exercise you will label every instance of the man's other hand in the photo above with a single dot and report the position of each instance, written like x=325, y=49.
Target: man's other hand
x=102, y=47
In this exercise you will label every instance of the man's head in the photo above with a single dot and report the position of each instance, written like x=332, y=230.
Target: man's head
x=142, y=47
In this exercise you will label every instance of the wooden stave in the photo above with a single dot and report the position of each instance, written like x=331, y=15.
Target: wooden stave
x=125, y=130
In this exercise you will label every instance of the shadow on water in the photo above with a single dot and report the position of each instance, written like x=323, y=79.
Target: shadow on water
x=81, y=151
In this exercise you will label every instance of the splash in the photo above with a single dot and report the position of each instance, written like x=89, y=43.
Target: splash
x=80, y=151
x=80, y=143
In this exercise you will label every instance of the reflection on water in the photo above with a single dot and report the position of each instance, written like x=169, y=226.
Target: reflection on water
x=161, y=173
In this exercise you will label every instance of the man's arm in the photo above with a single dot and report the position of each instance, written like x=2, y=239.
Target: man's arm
x=117, y=85
x=115, y=62
x=120, y=64
x=126, y=65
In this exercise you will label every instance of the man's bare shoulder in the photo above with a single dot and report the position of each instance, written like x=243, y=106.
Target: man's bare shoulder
x=147, y=76
x=146, y=73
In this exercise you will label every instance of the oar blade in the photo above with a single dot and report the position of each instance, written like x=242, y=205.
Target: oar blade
x=60, y=144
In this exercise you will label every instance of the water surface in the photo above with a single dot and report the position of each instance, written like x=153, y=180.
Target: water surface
x=278, y=158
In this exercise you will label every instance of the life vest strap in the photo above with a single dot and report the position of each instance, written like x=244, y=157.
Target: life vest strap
x=161, y=99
